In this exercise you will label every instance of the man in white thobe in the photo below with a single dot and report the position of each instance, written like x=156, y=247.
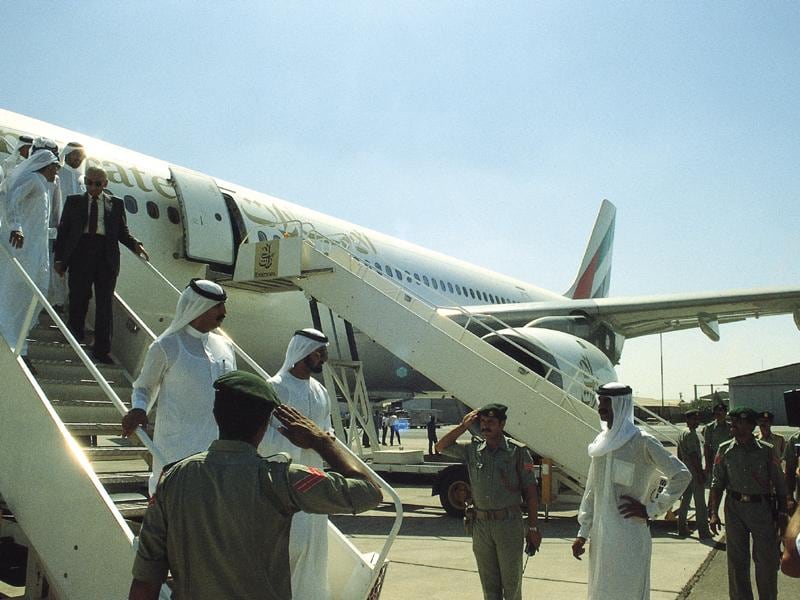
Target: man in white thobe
x=621, y=494
x=178, y=372
x=20, y=153
x=25, y=233
x=308, y=539
x=70, y=183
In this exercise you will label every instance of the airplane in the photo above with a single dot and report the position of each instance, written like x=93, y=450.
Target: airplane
x=191, y=222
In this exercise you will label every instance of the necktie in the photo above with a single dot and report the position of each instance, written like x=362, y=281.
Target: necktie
x=93, y=216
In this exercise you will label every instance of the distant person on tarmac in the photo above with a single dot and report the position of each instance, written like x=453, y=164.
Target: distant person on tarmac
x=293, y=383
x=432, y=437
x=691, y=454
x=714, y=434
x=502, y=476
x=624, y=475
x=394, y=426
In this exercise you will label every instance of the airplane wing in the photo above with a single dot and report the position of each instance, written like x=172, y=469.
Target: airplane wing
x=645, y=315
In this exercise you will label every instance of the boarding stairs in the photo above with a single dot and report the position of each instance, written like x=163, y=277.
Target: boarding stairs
x=75, y=506
x=553, y=422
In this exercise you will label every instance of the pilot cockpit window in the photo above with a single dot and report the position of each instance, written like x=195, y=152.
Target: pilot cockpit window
x=425, y=280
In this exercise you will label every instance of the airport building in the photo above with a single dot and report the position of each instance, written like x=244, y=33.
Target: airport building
x=767, y=390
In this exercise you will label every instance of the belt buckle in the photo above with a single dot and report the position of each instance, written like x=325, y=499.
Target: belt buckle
x=746, y=498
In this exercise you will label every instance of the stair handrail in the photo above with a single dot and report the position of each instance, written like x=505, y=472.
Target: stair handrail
x=40, y=298
x=314, y=236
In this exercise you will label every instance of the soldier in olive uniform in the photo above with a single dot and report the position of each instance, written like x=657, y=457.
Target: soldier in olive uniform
x=690, y=454
x=219, y=520
x=501, y=474
x=790, y=459
x=714, y=434
x=747, y=469
x=765, y=433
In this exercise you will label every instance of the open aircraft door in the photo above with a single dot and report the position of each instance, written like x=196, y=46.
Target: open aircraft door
x=207, y=227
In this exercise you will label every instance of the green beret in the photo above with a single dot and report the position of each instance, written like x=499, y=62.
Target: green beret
x=743, y=412
x=766, y=415
x=691, y=413
x=241, y=385
x=493, y=410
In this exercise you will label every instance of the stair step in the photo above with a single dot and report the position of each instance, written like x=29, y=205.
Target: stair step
x=87, y=410
x=110, y=428
x=85, y=389
x=131, y=506
x=99, y=453
x=74, y=370
x=46, y=333
x=126, y=479
x=59, y=351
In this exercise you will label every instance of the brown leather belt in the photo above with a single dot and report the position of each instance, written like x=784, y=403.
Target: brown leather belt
x=748, y=498
x=497, y=515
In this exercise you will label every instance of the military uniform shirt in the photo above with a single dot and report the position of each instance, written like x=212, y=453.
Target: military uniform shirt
x=747, y=468
x=689, y=444
x=497, y=477
x=220, y=522
x=715, y=433
x=776, y=440
x=789, y=456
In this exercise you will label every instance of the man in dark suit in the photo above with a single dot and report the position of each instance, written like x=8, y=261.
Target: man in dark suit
x=92, y=227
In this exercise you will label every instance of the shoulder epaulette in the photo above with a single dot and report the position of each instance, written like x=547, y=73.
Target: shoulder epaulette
x=280, y=457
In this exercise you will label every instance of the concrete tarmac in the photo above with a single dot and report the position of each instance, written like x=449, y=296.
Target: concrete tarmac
x=432, y=556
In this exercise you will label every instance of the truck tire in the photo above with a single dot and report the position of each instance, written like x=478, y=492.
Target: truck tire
x=454, y=490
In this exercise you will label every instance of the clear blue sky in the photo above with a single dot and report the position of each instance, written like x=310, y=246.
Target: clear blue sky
x=489, y=131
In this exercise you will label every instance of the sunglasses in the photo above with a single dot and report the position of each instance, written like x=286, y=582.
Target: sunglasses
x=94, y=183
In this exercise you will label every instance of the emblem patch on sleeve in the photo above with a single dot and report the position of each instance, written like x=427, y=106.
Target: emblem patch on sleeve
x=314, y=477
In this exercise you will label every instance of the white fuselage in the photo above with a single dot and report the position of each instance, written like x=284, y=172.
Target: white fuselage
x=263, y=323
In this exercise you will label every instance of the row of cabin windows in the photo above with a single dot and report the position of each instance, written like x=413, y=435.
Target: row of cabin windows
x=132, y=206
x=439, y=284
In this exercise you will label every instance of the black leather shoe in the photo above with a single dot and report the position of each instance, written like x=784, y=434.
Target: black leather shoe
x=102, y=358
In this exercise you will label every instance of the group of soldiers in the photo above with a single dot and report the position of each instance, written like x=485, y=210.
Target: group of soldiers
x=758, y=474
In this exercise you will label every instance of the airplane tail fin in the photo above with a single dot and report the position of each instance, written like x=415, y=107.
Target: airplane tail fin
x=594, y=276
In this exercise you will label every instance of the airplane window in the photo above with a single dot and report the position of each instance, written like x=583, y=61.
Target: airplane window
x=416, y=277
x=173, y=215
x=398, y=274
x=425, y=280
x=471, y=293
x=441, y=284
x=485, y=297
x=450, y=287
x=389, y=271
x=262, y=237
x=491, y=299
x=152, y=209
x=458, y=290
x=380, y=269
x=131, y=205
x=435, y=284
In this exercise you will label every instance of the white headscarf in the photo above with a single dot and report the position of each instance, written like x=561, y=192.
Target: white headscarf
x=198, y=297
x=622, y=428
x=68, y=149
x=36, y=161
x=43, y=143
x=303, y=343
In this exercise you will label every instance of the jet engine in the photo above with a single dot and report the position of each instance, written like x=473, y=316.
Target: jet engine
x=571, y=363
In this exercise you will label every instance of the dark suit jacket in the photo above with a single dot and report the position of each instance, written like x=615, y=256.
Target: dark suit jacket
x=73, y=221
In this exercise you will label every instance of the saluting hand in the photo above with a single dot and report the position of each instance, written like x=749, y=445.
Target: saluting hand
x=298, y=429
x=469, y=419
